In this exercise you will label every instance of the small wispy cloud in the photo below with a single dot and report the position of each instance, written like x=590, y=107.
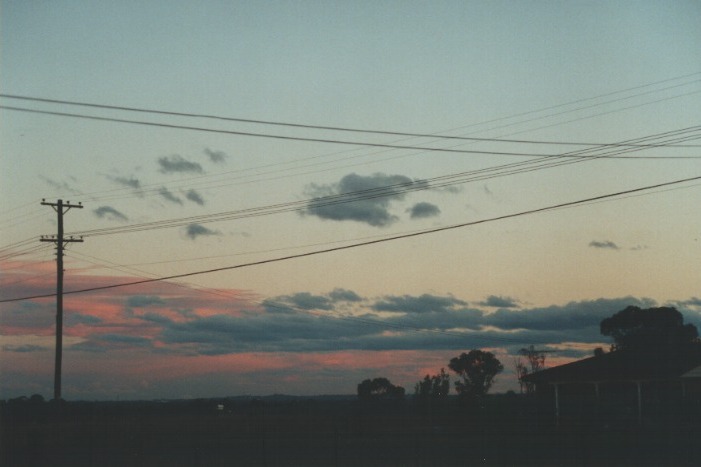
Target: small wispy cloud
x=639, y=247
x=423, y=209
x=196, y=230
x=218, y=157
x=61, y=186
x=108, y=212
x=495, y=301
x=178, y=164
x=24, y=348
x=605, y=244
x=195, y=197
x=169, y=196
x=130, y=182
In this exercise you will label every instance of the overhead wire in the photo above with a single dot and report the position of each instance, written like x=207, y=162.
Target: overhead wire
x=388, y=190
x=324, y=127
x=370, y=242
x=478, y=124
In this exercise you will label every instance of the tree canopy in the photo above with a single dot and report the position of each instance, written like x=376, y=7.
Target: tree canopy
x=436, y=386
x=379, y=388
x=653, y=328
x=477, y=370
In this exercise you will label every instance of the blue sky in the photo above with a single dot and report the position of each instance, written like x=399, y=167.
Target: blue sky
x=574, y=72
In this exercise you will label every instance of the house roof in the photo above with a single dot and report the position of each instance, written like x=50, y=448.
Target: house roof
x=624, y=365
x=693, y=373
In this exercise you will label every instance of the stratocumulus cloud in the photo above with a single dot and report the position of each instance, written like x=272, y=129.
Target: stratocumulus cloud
x=218, y=157
x=423, y=209
x=195, y=197
x=605, y=245
x=360, y=198
x=500, y=302
x=130, y=182
x=164, y=327
x=196, y=230
x=169, y=196
x=108, y=212
x=178, y=164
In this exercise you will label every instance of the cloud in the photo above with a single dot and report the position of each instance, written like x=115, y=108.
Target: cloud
x=693, y=301
x=344, y=295
x=422, y=304
x=605, y=244
x=423, y=209
x=24, y=348
x=195, y=197
x=639, y=247
x=110, y=213
x=178, y=164
x=182, y=337
x=196, y=230
x=300, y=301
x=218, y=157
x=106, y=342
x=61, y=186
x=360, y=198
x=141, y=301
x=500, y=302
x=130, y=182
x=80, y=318
x=168, y=196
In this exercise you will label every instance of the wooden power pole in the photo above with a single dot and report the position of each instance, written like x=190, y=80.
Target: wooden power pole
x=61, y=208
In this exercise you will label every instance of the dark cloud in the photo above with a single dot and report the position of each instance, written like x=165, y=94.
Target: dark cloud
x=426, y=322
x=196, y=230
x=110, y=213
x=79, y=318
x=156, y=318
x=344, y=295
x=500, y=302
x=423, y=209
x=130, y=182
x=300, y=301
x=178, y=164
x=105, y=342
x=28, y=315
x=124, y=339
x=141, y=301
x=422, y=304
x=24, y=348
x=168, y=196
x=693, y=301
x=379, y=190
x=218, y=157
x=195, y=197
x=605, y=244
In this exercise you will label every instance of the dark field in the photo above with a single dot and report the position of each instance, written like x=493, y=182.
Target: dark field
x=328, y=431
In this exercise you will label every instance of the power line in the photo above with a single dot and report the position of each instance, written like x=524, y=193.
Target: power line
x=388, y=190
x=295, y=138
x=367, y=243
x=331, y=128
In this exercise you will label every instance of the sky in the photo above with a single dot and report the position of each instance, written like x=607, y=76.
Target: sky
x=322, y=192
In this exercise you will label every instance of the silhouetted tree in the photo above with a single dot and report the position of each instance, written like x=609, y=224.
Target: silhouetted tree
x=379, y=388
x=477, y=370
x=535, y=361
x=436, y=386
x=649, y=328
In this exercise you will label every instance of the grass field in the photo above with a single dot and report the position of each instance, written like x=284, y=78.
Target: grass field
x=328, y=431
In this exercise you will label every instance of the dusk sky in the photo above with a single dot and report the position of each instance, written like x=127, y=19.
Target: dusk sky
x=257, y=131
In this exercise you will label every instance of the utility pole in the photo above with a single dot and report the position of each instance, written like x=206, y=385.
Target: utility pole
x=61, y=208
